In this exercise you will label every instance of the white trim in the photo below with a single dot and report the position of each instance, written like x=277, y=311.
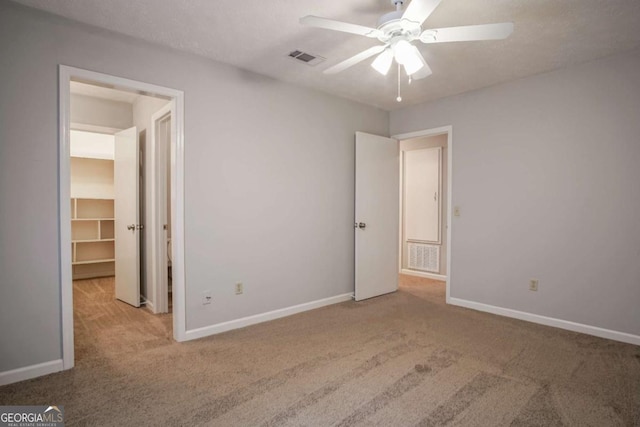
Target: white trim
x=420, y=133
x=449, y=208
x=94, y=128
x=157, y=256
x=32, y=371
x=147, y=304
x=66, y=73
x=265, y=317
x=64, y=190
x=401, y=210
x=423, y=274
x=440, y=237
x=177, y=220
x=433, y=132
x=548, y=321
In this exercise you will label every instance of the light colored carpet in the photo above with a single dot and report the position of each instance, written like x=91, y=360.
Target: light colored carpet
x=404, y=359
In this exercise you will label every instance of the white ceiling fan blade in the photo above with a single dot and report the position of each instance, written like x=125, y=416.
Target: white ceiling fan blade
x=423, y=72
x=419, y=10
x=355, y=59
x=468, y=33
x=330, y=24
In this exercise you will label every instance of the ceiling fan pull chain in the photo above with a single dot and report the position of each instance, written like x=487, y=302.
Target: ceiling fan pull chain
x=399, y=98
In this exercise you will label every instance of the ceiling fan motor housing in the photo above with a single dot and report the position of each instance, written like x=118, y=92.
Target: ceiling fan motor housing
x=392, y=26
x=396, y=15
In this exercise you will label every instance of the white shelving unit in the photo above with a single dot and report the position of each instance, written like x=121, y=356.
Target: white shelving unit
x=92, y=205
x=92, y=238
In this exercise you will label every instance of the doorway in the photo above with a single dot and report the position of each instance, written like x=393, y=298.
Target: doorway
x=95, y=234
x=425, y=224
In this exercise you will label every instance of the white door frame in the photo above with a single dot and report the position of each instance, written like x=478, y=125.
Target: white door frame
x=66, y=73
x=433, y=132
x=158, y=257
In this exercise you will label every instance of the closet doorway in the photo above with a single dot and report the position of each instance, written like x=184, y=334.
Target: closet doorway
x=121, y=162
x=425, y=205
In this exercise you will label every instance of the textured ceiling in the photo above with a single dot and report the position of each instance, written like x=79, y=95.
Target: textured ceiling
x=257, y=35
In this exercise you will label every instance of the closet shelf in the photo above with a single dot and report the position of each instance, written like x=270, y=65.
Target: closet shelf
x=93, y=261
x=93, y=219
x=92, y=237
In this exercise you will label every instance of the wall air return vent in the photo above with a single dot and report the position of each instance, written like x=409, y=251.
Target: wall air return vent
x=306, y=58
x=424, y=257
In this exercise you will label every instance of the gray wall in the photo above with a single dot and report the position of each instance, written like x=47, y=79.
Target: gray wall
x=269, y=179
x=546, y=171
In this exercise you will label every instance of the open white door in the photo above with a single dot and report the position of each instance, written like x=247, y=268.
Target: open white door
x=127, y=225
x=377, y=215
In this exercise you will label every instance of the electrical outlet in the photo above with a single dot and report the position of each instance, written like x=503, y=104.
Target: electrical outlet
x=533, y=284
x=456, y=211
x=207, y=298
x=239, y=288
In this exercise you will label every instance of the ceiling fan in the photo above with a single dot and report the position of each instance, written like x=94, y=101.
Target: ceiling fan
x=398, y=29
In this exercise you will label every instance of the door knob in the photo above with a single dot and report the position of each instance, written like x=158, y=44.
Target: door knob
x=131, y=227
x=362, y=225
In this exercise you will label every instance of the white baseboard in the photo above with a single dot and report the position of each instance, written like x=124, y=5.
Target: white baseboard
x=264, y=317
x=548, y=321
x=148, y=304
x=424, y=274
x=28, y=372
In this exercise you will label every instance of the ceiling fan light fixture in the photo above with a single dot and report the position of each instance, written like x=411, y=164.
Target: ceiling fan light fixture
x=407, y=55
x=402, y=51
x=382, y=63
x=415, y=63
x=413, y=68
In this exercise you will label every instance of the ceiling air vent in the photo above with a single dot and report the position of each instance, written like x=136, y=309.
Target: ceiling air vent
x=306, y=58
